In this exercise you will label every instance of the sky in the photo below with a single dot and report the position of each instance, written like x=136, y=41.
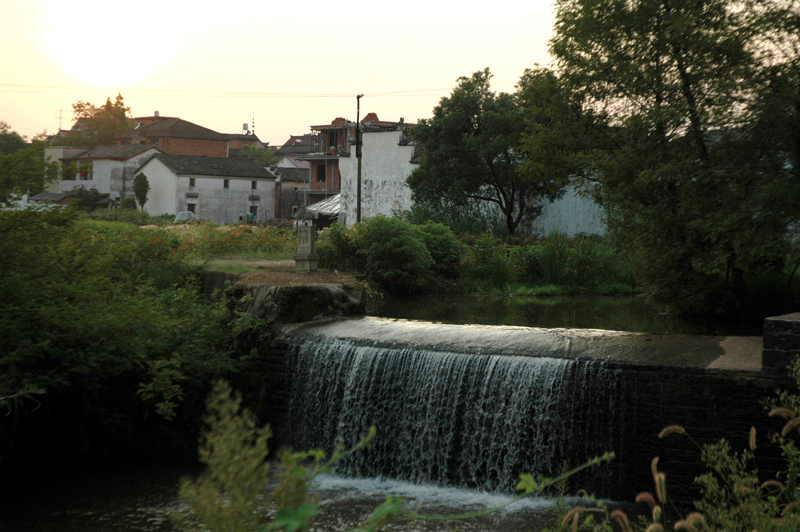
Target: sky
x=281, y=65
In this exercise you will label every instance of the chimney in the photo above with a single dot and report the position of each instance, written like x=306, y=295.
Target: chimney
x=157, y=114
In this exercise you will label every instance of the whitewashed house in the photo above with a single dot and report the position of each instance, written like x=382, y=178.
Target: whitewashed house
x=107, y=169
x=387, y=159
x=213, y=188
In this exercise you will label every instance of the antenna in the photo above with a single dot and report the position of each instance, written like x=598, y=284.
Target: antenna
x=254, y=122
x=60, y=117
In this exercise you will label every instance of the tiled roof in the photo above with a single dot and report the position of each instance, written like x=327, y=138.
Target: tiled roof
x=114, y=151
x=294, y=174
x=242, y=136
x=213, y=166
x=175, y=128
x=297, y=144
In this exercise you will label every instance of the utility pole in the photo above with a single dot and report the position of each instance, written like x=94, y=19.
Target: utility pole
x=358, y=156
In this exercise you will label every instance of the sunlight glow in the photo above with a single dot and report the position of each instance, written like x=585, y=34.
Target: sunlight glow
x=107, y=44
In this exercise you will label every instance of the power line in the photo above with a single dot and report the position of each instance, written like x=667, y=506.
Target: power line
x=62, y=89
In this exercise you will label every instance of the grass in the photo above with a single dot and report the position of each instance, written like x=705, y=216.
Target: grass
x=225, y=266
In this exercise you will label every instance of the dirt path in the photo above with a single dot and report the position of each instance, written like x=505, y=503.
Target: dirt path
x=282, y=273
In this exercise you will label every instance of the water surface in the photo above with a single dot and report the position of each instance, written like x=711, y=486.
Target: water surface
x=616, y=313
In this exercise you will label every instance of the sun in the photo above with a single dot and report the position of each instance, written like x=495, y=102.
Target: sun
x=103, y=43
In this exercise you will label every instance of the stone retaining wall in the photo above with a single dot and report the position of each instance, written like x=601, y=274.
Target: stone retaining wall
x=781, y=341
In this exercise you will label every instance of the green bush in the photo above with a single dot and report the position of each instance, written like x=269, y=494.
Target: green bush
x=467, y=218
x=84, y=304
x=488, y=264
x=336, y=249
x=393, y=254
x=445, y=249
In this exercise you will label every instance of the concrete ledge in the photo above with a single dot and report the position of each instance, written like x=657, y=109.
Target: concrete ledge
x=781, y=341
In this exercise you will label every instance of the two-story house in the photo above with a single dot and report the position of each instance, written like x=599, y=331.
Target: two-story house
x=181, y=137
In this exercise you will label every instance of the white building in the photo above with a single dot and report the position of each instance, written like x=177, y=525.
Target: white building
x=107, y=169
x=386, y=162
x=213, y=188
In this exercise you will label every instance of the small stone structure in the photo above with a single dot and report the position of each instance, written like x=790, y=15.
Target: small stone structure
x=306, y=259
x=781, y=341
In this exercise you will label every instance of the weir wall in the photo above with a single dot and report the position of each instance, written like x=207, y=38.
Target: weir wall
x=709, y=403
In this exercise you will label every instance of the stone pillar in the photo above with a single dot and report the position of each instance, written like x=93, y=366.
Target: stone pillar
x=781, y=341
x=306, y=259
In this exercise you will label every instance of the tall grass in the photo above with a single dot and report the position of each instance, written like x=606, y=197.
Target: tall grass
x=583, y=263
x=241, y=242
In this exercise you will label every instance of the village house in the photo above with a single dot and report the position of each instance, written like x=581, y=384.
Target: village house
x=387, y=159
x=329, y=143
x=220, y=189
x=107, y=169
x=180, y=137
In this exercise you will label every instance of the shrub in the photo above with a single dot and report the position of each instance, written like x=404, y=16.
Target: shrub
x=470, y=218
x=445, y=249
x=87, y=307
x=393, y=254
x=487, y=262
x=336, y=249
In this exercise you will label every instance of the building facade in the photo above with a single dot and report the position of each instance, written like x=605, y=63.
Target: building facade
x=213, y=188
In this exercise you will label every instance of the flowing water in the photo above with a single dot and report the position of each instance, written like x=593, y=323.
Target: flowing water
x=453, y=419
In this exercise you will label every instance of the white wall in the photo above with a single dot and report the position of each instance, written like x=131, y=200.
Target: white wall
x=214, y=202
x=571, y=215
x=384, y=168
x=168, y=194
x=162, y=198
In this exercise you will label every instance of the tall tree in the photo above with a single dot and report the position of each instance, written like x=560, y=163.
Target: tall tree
x=265, y=156
x=141, y=187
x=10, y=141
x=96, y=125
x=676, y=81
x=470, y=152
x=22, y=166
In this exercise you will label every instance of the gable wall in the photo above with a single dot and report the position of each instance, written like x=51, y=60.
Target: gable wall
x=384, y=168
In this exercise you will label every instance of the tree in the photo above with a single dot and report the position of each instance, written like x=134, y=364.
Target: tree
x=141, y=186
x=10, y=141
x=470, y=151
x=22, y=166
x=96, y=125
x=691, y=194
x=264, y=156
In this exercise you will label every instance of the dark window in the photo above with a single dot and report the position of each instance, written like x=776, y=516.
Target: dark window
x=254, y=185
x=321, y=173
x=191, y=181
x=191, y=207
x=226, y=183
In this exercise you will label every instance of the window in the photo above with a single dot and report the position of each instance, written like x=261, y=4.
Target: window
x=226, y=183
x=154, y=142
x=191, y=208
x=320, y=173
x=253, y=185
x=191, y=181
x=254, y=211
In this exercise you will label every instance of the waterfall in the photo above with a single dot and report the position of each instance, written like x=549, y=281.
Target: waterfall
x=453, y=419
